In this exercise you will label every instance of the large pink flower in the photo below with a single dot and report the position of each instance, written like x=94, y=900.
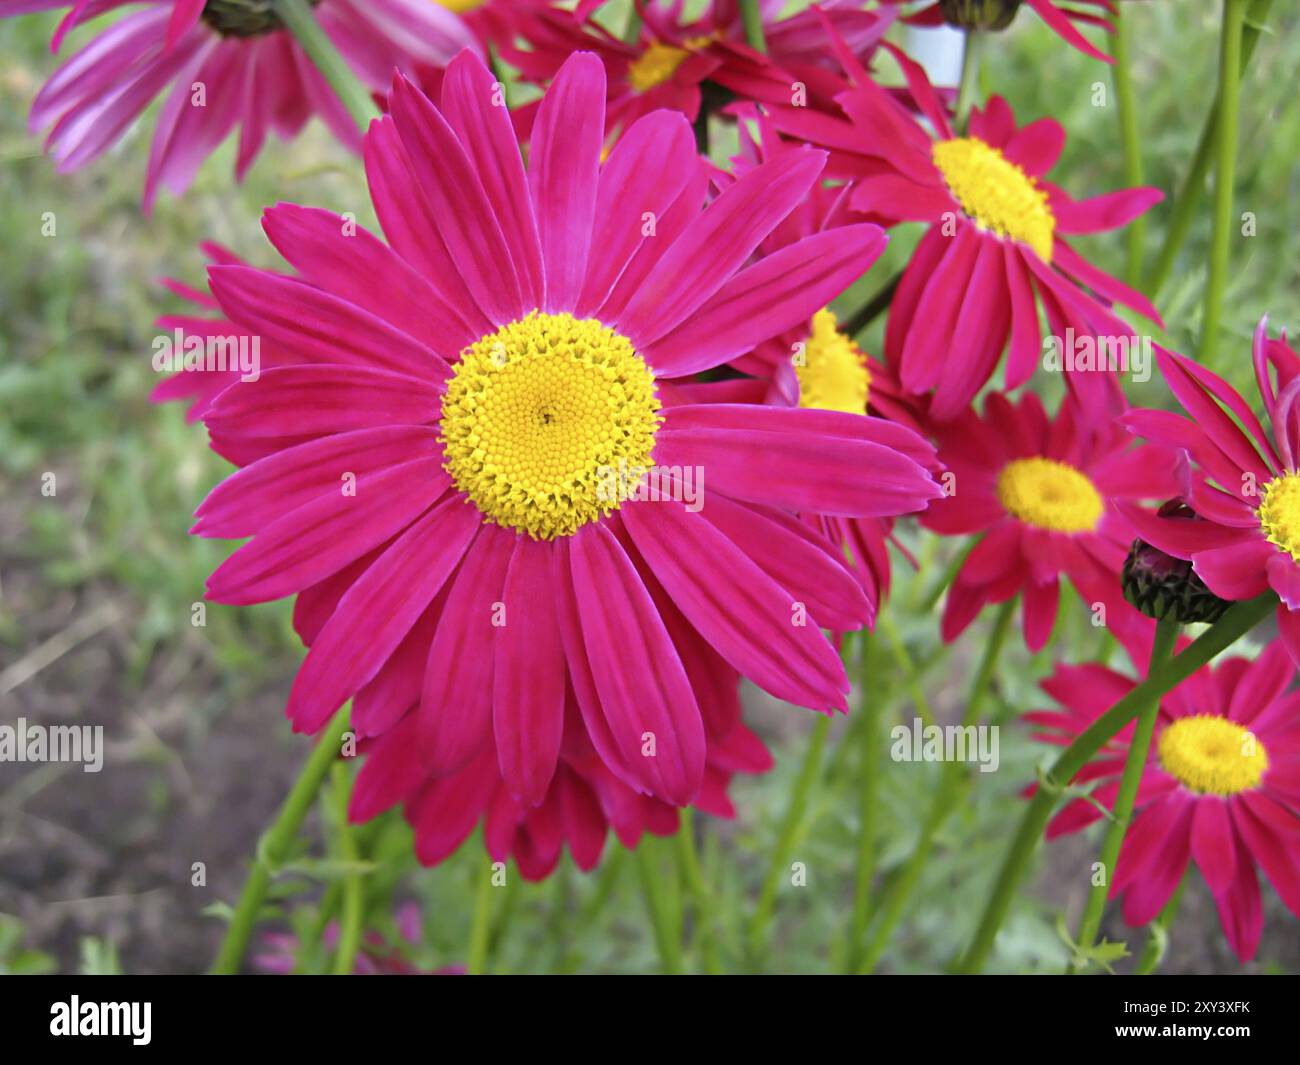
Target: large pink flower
x=1247, y=483
x=1043, y=495
x=995, y=246
x=1221, y=786
x=479, y=455
x=228, y=63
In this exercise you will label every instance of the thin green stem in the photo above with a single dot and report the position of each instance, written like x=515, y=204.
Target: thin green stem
x=1128, y=129
x=873, y=308
x=659, y=908
x=951, y=781
x=1157, y=943
x=968, y=88
x=1188, y=197
x=480, y=928
x=786, y=837
x=868, y=801
x=298, y=18
x=353, y=907
x=274, y=846
x=1134, y=765
x=705, y=938
x=1239, y=619
x=1224, y=174
x=753, y=18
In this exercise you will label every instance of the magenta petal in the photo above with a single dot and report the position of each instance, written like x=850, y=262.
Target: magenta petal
x=1110, y=211
x=378, y=611
x=1212, y=843
x=750, y=620
x=1179, y=537
x=644, y=691
x=1238, y=571
x=1284, y=577
x=529, y=676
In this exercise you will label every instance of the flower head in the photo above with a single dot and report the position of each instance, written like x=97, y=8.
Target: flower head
x=992, y=15
x=1042, y=495
x=223, y=64
x=456, y=468
x=995, y=249
x=1221, y=786
x=1245, y=482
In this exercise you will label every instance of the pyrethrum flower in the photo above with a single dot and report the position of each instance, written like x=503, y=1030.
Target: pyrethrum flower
x=675, y=59
x=480, y=452
x=991, y=15
x=995, y=248
x=1041, y=493
x=1247, y=484
x=1221, y=786
x=223, y=64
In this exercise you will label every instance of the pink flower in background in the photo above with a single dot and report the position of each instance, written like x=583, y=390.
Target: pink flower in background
x=458, y=464
x=673, y=58
x=1247, y=483
x=1042, y=494
x=995, y=248
x=222, y=65
x=1221, y=786
x=377, y=956
x=984, y=15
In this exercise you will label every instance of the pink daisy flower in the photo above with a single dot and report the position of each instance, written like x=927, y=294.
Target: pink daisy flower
x=675, y=60
x=480, y=409
x=995, y=246
x=1246, y=486
x=984, y=15
x=222, y=64
x=1221, y=786
x=1042, y=494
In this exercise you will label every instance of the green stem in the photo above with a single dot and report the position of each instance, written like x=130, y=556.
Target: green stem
x=353, y=909
x=873, y=309
x=868, y=803
x=1134, y=765
x=753, y=18
x=1224, y=174
x=968, y=88
x=1128, y=129
x=273, y=848
x=1153, y=952
x=705, y=938
x=945, y=799
x=1189, y=194
x=786, y=837
x=658, y=906
x=481, y=923
x=1239, y=619
x=298, y=19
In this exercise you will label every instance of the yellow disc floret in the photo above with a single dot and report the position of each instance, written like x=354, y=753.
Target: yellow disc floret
x=460, y=6
x=1279, y=513
x=660, y=61
x=541, y=417
x=1212, y=755
x=832, y=370
x=996, y=194
x=1050, y=495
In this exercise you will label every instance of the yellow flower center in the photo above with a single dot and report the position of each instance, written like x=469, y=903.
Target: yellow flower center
x=1212, y=755
x=460, y=6
x=832, y=370
x=541, y=417
x=996, y=194
x=1279, y=513
x=660, y=62
x=1050, y=495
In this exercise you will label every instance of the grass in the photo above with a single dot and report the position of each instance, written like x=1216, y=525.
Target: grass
x=78, y=313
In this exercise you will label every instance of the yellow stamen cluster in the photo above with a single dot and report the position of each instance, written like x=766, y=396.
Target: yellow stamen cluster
x=1279, y=513
x=996, y=194
x=658, y=63
x=460, y=6
x=540, y=416
x=832, y=370
x=1212, y=755
x=1049, y=495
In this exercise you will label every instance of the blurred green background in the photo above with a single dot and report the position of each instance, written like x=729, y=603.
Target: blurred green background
x=97, y=582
